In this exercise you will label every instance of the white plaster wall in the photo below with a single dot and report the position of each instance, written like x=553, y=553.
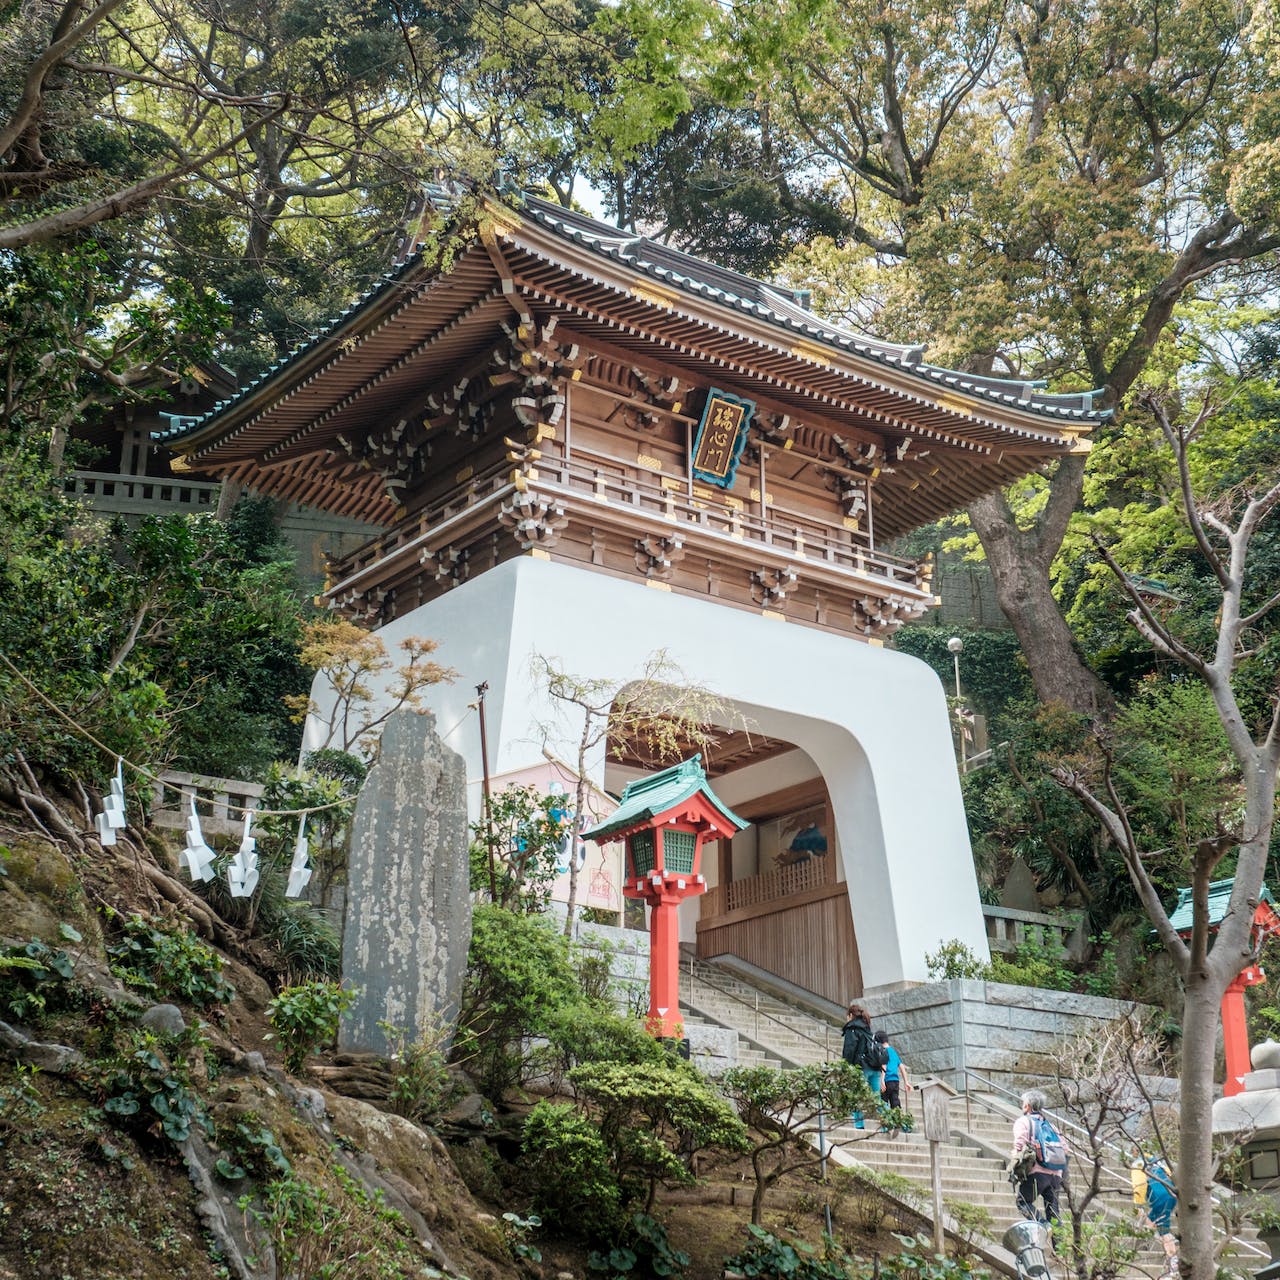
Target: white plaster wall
x=874, y=722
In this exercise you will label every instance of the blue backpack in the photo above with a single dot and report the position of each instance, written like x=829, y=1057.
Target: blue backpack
x=1051, y=1151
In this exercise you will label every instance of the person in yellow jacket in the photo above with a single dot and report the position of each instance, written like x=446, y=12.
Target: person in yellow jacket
x=1153, y=1193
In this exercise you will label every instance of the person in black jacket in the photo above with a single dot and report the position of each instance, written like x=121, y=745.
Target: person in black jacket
x=860, y=1050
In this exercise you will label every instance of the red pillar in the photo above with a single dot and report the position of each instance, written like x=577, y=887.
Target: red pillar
x=1235, y=1030
x=664, y=966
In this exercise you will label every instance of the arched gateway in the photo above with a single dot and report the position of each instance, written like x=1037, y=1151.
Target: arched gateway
x=590, y=446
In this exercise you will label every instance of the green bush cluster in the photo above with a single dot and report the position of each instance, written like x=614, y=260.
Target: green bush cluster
x=39, y=978
x=149, y=1086
x=305, y=1017
x=1029, y=966
x=165, y=960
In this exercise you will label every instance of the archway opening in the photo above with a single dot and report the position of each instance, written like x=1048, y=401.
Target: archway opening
x=776, y=897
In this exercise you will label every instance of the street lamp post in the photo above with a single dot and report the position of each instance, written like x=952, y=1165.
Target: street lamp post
x=956, y=646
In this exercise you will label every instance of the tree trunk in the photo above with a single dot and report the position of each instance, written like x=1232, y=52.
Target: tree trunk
x=1201, y=1002
x=1019, y=564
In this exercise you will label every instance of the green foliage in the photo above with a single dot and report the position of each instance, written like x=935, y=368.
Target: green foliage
x=771, y=1257
x=20, y=1106
x=1031, y=966
x=253, y=1151
x=973, y=1223
x=166, y=961
x=993, y=673
x=575, y=1186
x=420, y=1083
x=581, y=1032
x=150, y=1087
x=515, y=1231
x=953, y=959
x=159, y=625
x=653, y=1118
x=895, y=1119
x=527, y=828
x=305, y=1017
x=917, y=1261
x=39, y=979
x=644, y=1250
x=325, y=1232
x=518, y=977
x=783, y=1109
x=329, y=778
x=867, y=1192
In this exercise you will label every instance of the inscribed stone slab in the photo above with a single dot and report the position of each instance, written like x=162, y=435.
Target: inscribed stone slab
x=408, y=916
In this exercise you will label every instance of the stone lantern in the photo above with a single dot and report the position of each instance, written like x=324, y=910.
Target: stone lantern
x=664, y=820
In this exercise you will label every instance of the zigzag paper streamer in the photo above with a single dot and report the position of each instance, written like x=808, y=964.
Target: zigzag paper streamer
x=300, y=870
x=112, y=818
x=242, y=870
x=196, y=856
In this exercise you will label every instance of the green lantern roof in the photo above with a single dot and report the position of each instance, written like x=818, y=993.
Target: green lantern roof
x=645, y=798
x=1182, y=916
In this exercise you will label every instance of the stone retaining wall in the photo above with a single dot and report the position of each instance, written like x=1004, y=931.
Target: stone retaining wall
x=1002, y=1032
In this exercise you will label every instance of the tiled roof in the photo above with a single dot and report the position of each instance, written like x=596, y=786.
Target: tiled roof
x=1182, y=916
x=647, y=797
x=700, y=279
x=771, y=303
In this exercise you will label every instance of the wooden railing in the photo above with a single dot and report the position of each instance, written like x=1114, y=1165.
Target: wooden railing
x=607, y=483
x=721, y=899
x=791, y=533
x=220, y=802
x=1008, y=929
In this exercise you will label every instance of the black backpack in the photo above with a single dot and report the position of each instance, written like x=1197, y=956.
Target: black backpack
x=860, y=1050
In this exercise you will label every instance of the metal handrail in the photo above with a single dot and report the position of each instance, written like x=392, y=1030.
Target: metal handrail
x=825, y=1045
x=1216, y=1192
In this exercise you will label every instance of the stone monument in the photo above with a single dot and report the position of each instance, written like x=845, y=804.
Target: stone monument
x=408, y=914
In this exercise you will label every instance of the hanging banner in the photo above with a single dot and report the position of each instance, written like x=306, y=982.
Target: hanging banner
x=722, y=434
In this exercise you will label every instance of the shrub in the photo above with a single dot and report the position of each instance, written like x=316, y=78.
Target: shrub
x=420, y=1083
x=773, y=1258
x=653, y=1118
x=973, y=1223
x=518, y=977
x=954, y=959
x=38, y=978
x=1031, y=966
x=580, y=1033
x=306, y=1017
x=872, y=1196
x=575, y=1187
x=645, y=1250
x=163, y=960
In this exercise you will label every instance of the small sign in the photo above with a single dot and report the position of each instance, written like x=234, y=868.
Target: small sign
x=722, y=434
x=935, y=1095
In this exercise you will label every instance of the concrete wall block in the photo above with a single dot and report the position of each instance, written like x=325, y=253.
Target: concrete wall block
x=1051, y=1022
x=990, y=1015
x=917, y=1042
x=712, y=1049
x=1066, y=1002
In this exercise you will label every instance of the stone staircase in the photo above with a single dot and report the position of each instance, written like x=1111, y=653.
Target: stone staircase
x=779, y=1032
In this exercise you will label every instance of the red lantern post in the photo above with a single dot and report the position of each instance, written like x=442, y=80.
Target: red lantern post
x=1235, y=1031
x=665, y=820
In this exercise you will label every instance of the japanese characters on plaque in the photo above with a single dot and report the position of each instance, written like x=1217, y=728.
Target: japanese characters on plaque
x=722, y=433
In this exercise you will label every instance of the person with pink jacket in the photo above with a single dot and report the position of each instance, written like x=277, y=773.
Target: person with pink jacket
x=1038, y=1160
